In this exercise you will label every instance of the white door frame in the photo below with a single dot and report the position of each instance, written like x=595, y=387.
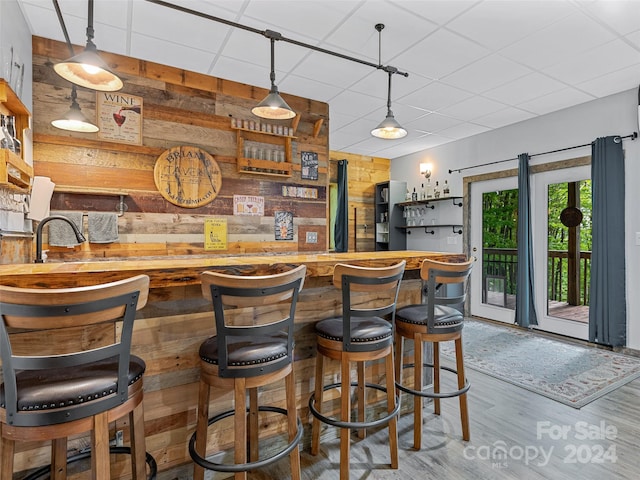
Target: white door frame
x=540, y=187
x=478, y=308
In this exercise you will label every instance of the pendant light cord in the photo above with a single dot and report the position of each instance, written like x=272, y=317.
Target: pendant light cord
x=272, y=75
x=90, y=31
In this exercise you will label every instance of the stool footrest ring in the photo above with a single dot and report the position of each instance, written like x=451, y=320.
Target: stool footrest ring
x=422, y=393
x=355, y=425
x=243, y=467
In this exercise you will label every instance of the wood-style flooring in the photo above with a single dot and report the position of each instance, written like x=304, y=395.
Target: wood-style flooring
x=543, y=439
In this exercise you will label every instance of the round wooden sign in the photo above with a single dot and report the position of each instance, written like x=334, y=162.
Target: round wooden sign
x=571, y=217
x=187, y=176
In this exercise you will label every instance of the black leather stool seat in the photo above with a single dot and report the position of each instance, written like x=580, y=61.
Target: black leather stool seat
x=245, y=351
x=444, y=316
x=63, y=387
x=364, y=329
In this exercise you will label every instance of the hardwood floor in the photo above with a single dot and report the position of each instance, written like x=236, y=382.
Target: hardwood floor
x=543, y=439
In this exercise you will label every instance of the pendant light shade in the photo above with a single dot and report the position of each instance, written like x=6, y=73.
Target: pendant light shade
x=87, y=69
x=389, y=128
x=273, y=106
x=74, y=120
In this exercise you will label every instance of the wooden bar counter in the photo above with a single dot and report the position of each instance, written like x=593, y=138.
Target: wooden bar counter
x=169, y=330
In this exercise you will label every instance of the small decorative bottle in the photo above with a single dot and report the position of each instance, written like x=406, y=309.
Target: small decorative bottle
x=17, y=146
x=423, y=193
x=6, y=140
x=407, y=196
x=429, y=189
x=436, y=191
x=414, y=195
x=445, y=189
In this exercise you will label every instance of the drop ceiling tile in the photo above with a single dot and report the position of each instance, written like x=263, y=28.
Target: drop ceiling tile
x=435, y=96
x=376, y=84
x=243, y=72
x=331, y=70
x=495, y=24
x=256, y=49
x=471, y=108
x=307, y=88
x=619, y=81
x=485, y=74
x=634, y=38
x=437, y=11
x=431, y=59
x=167, y=53
x=352, y=103
x=609, y=57
x=357, y=34
x=558, y=42
x=464, y=130
x=524, y=89
x=504, y=117
x=615, y=14
x=432, y=123
x=176, y=27
x=559, y=100
x=311, y=19
x=402, y=113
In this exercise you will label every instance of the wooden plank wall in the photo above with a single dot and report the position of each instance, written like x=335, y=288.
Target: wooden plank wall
x=180, y=108
x=363, y=172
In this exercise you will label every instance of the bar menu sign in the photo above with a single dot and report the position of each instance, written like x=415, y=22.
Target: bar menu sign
x=215, y=234
x=119, y=117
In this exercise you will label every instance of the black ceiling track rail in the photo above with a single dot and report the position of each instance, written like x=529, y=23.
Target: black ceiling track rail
x=270, y=34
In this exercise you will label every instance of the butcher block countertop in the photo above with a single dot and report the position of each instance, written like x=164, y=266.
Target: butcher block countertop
x=185, y=270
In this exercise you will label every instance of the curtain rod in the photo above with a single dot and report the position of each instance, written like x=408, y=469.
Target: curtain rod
x=616, y=139
x=277, y=36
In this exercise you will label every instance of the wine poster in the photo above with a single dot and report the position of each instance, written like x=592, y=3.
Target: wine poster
x=119, y=117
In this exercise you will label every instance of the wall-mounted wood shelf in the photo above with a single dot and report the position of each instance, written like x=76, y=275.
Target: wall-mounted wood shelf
x=113, y=192
x=14, y=171
x=260, y=166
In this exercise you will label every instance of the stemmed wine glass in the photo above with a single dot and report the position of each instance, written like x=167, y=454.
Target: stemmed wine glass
x=119, y=119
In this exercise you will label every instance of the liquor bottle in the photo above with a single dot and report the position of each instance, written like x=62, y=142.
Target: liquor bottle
x=436, y=191
x=17, y=146
x=6, y=140
x=445, y=189
x=429, y=189
x=423, y=193
x=414, y=195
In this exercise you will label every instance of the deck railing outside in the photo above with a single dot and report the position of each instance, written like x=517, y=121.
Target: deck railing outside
x=501, y=265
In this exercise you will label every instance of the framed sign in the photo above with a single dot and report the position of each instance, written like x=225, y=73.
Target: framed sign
x=215, y=234
x=119, y=117
x=284, y=225
x=309, y=164
x=187, y=176
x=248, y=205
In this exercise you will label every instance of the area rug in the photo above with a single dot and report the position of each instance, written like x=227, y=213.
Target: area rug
x=568, y=373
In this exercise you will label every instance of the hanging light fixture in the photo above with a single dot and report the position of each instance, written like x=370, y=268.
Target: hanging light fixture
x=273, y=106
x=74, y=120
x=87, y=69
x=389, y=128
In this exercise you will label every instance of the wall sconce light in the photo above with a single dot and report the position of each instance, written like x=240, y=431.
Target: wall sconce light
x=87, y=69
x=74, y=120
x=425, y=169
x=273, y=106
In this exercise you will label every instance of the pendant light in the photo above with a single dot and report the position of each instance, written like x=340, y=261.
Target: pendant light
x=273, y=106
x=87, y=69
x=74, y=120
x=389, y=128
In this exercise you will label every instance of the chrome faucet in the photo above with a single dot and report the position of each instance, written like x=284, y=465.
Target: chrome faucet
x=46, y=220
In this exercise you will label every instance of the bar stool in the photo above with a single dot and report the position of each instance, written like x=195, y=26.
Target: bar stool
x=69, y=387
x=253, y=347
x=361, y=334
x=435, y=321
